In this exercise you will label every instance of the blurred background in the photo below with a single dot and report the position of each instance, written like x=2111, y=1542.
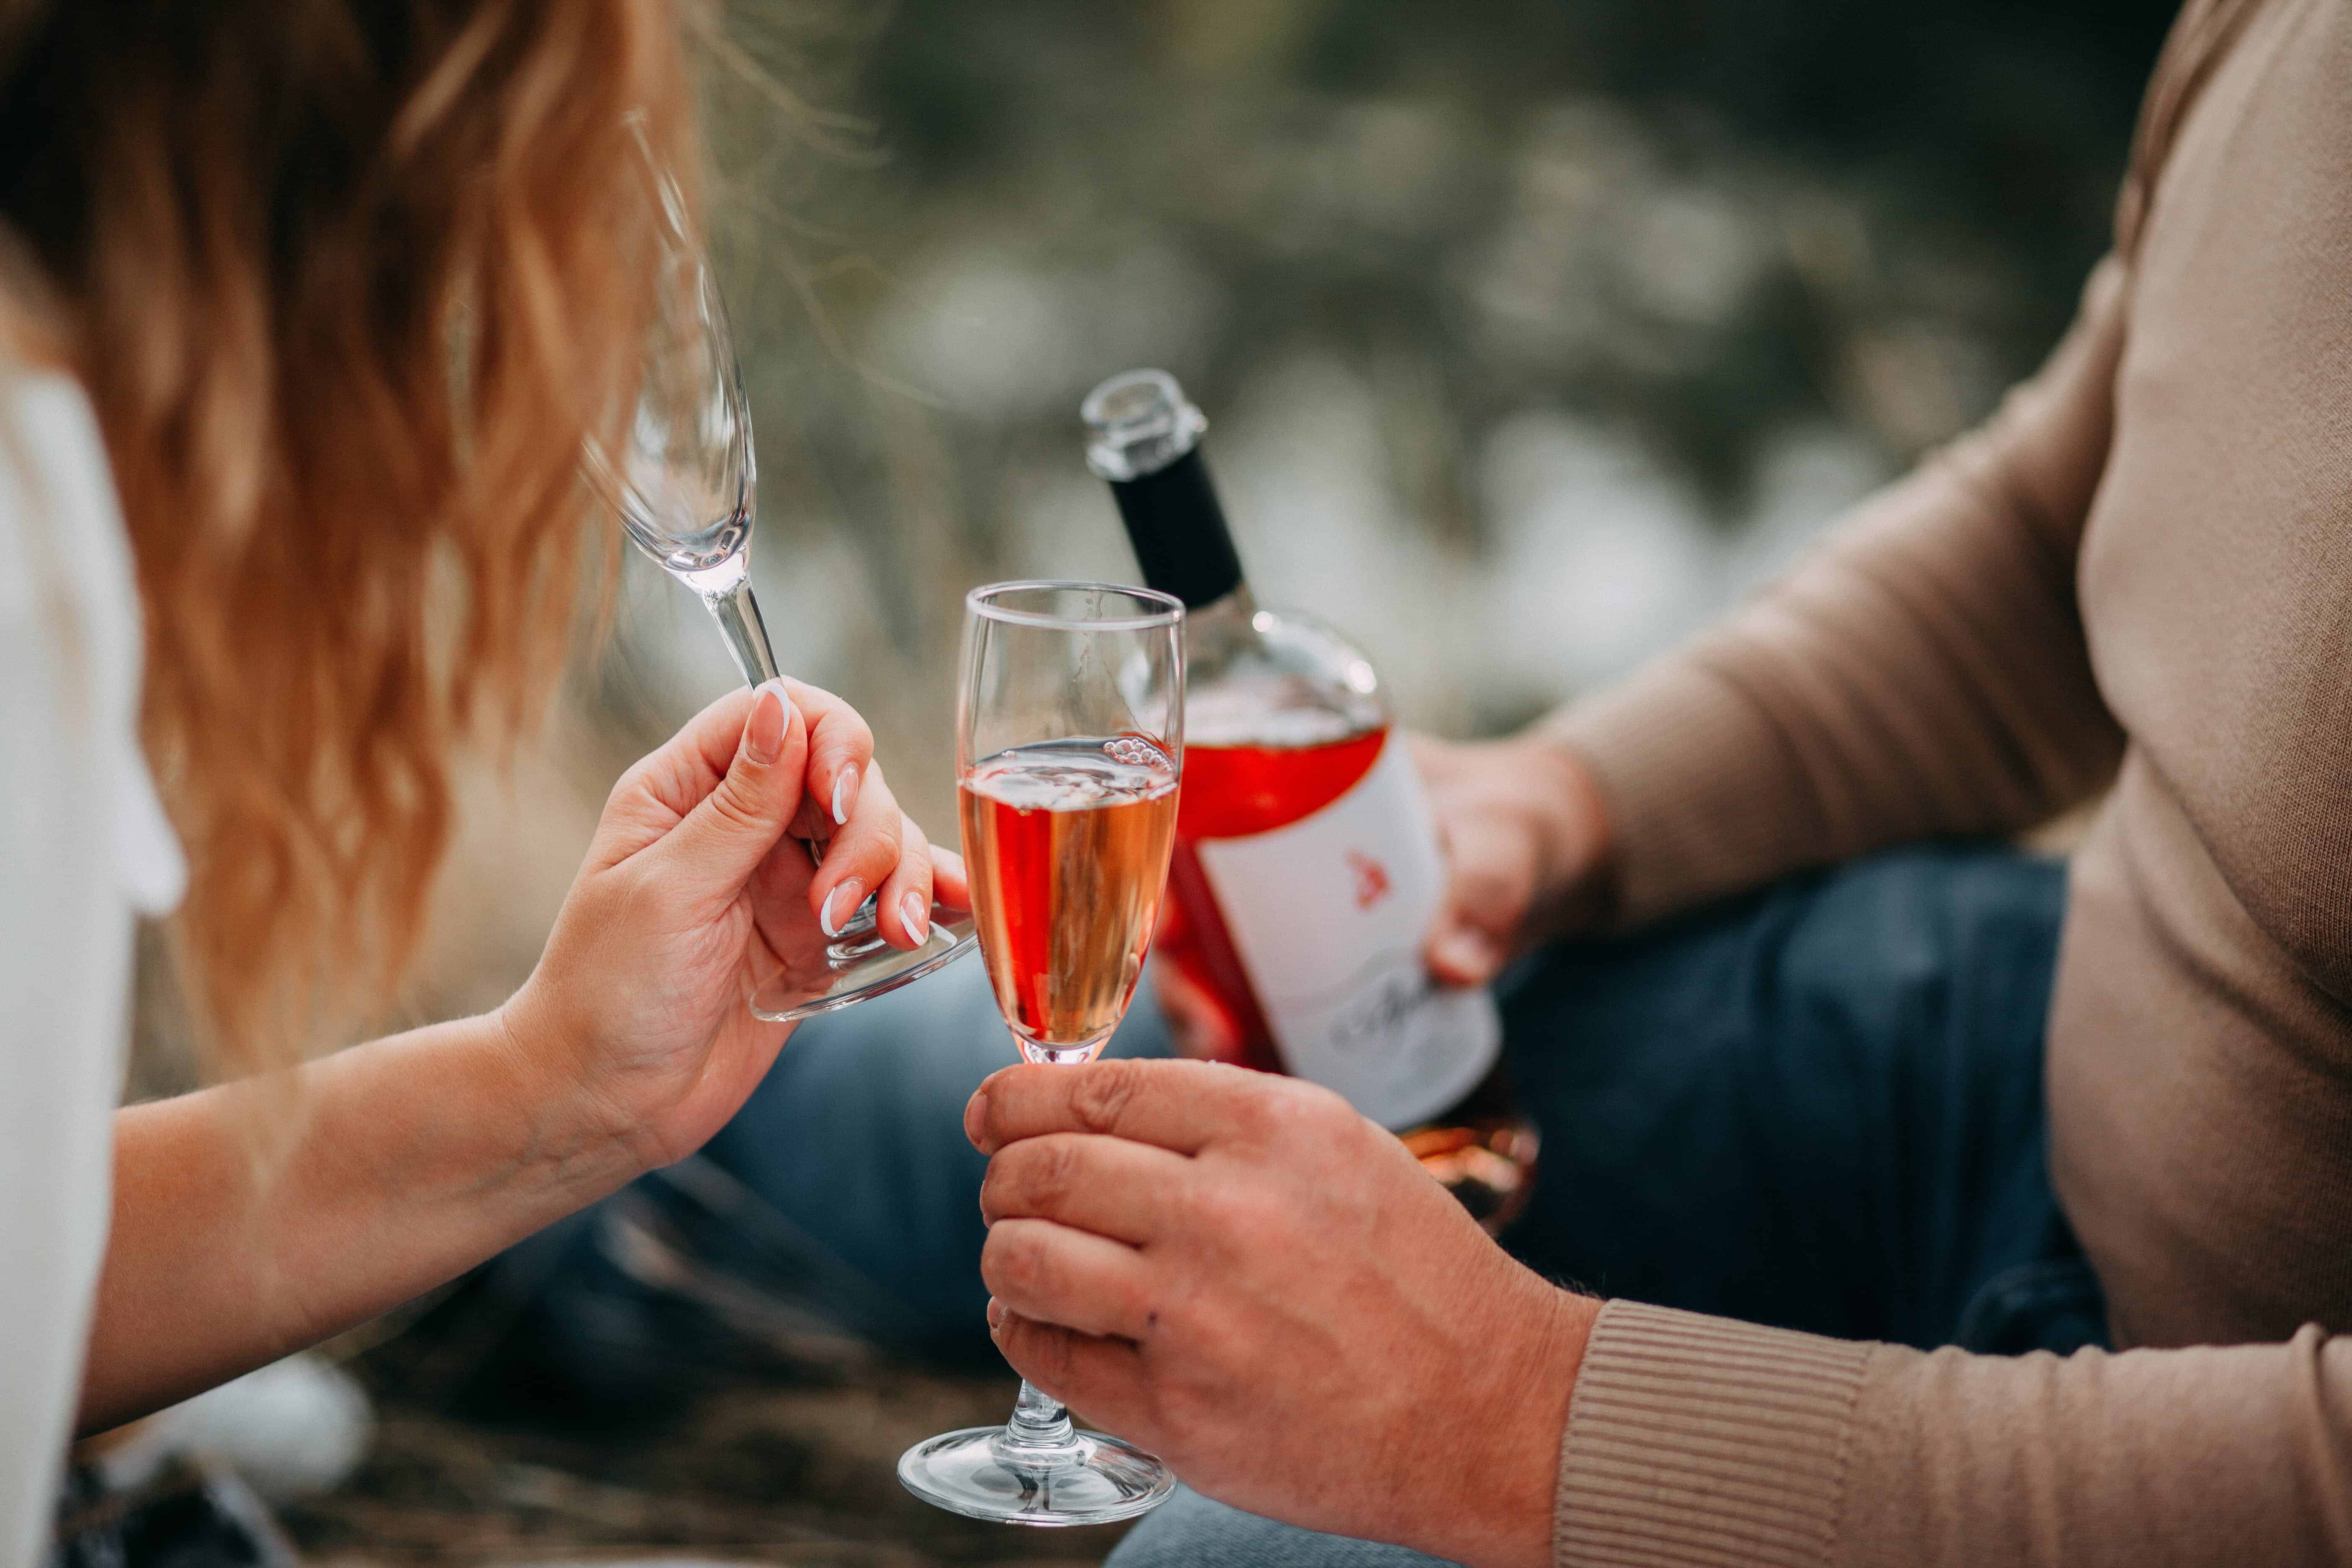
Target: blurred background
x=1530, y=331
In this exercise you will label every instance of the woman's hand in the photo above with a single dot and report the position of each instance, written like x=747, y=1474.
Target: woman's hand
x=1238, y=1272
x=1526, y=840
x=417, y=1156
x=693, y=893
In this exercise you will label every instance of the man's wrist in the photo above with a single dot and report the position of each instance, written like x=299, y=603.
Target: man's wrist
x=1514, y=1409
x=1553, y=1357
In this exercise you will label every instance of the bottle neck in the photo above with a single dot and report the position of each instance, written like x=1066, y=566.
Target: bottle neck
x=1219, y=632
x=1179, y=531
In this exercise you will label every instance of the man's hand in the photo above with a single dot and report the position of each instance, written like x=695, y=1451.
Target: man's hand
x=1526, y=840
x=1243, y=1275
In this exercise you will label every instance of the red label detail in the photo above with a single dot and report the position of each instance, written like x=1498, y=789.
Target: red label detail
x=1371, y=878
x=1232, y=791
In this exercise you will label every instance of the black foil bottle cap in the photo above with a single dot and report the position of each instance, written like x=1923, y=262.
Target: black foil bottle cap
x=1144, y=439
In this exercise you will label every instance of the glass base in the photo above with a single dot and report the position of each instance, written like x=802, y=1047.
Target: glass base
x=1092, y=1479
x=1059, y=1056
x=857, y=965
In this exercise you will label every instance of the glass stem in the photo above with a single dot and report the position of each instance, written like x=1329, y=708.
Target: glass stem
x=1040, y=1432
x=736, y=611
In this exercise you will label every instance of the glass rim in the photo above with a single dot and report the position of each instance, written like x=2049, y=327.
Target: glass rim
x=980, y=602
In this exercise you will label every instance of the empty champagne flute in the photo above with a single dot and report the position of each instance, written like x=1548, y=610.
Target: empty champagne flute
x=683, y=483
x=1069, y=740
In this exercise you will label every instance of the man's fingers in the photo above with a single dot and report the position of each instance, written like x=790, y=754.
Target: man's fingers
x=1486, y=897
x=732, y=829
x=1107, y=1186
x=1057, y=1275
x=1103, y=1377
x=1459, y=954
x=1179, y=1105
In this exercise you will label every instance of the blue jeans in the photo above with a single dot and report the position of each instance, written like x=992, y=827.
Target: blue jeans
x=1818, y=1106
x=842, y=1195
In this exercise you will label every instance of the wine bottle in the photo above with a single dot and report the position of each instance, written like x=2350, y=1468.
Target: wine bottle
x=1306, y=871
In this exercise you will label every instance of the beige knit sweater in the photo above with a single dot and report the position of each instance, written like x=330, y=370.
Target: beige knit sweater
x=2140, y=571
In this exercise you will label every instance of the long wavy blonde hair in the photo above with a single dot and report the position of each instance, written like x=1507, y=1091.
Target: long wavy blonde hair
x=348, y=284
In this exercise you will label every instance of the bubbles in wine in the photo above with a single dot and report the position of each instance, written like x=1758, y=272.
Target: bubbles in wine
x=1074, y=776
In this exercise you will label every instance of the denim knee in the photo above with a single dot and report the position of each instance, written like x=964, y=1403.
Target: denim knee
x=1190, y=1531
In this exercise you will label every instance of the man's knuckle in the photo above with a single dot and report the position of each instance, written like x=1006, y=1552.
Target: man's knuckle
x=1100, y=1096
x=1010, y=1264
x=1316, y=1118
x=1194, y=1205
x=1041, y=1265
x=1286, y=1110
x=1222, y=1208
x=1049, y=1171
x=1178, y=1316
x=1258, y=1115
x=1145, y=1310
x=1325, y=1106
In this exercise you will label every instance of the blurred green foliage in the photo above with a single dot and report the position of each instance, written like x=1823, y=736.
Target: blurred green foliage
x=1567, y=319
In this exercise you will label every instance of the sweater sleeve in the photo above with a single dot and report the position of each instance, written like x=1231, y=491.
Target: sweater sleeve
x=1923, y=671
x=1696, y=1442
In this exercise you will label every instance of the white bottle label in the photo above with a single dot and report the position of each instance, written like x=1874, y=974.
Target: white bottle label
x=1327, y=915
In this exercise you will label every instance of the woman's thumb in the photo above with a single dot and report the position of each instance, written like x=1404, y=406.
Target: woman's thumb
x=726, y=837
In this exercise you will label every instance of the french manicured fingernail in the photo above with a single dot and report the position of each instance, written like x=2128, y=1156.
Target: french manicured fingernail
x=839, y=905
x=763, y=731
x=844, y=795
x=917, y=914
x=995, y=1313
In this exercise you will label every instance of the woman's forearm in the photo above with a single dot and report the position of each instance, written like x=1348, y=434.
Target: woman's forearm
x=245, y=1227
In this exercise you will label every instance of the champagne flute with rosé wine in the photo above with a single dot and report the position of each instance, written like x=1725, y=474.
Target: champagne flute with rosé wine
x=1069, y=740
x=684, y=481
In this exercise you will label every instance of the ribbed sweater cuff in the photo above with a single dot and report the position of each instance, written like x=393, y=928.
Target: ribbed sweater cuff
x=1697, y=785
x=1695, y=1441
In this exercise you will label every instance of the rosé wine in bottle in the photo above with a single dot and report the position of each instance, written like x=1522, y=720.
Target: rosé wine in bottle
x=1067, y=842
x=1306, y=872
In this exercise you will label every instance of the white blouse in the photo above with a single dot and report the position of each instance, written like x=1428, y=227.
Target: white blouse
x=83, y=846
